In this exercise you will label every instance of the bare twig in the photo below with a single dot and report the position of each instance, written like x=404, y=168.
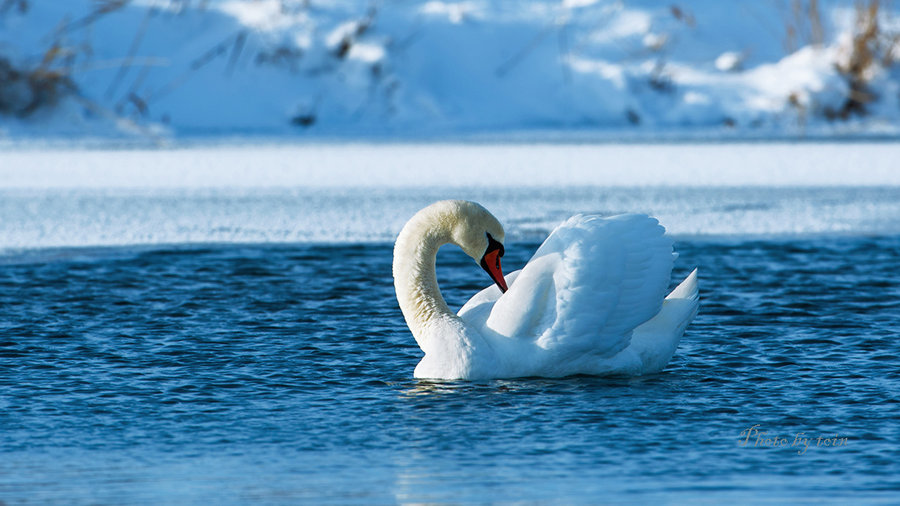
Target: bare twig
x=683, y=16
x=198, y=63
x=564, y=55
x=817, y=32
x=236, y=52
x=104, y=7
x=520, y=55
x=132, y=50
x=101, y=111
x=863, y=55
x=7, y=5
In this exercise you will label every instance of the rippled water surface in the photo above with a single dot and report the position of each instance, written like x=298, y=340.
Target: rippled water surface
x=283, y=373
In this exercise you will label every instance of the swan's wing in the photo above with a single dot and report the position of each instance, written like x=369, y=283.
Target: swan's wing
x=476, y=311
x=586, y=288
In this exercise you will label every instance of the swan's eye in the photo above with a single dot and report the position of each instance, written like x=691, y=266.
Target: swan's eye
x=493, y=245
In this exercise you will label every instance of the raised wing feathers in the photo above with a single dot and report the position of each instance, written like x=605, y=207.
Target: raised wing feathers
x=586, y=288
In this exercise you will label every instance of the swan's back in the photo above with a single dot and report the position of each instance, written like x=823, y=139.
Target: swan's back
x=585, y=289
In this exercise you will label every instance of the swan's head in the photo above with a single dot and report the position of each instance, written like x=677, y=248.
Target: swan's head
x=481, y=237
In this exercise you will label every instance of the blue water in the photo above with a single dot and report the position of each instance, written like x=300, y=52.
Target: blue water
x=283, y=374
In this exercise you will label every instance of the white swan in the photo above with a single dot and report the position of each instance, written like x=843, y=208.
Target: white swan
x=590, y=300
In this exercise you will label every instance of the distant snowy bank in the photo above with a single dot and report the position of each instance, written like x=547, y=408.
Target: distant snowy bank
x=180, y=68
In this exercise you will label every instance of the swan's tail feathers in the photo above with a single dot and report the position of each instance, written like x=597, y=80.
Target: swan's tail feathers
x=655, y=341
x=688, y=289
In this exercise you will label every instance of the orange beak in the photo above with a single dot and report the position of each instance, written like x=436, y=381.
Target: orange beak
x=490, y=262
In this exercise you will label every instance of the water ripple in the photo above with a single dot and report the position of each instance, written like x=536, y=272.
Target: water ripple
x=282, y=373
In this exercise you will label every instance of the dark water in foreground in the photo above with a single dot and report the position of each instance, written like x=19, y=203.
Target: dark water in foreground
x=283, y=374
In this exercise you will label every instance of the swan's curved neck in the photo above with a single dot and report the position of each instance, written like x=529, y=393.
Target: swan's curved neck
x=415, y=280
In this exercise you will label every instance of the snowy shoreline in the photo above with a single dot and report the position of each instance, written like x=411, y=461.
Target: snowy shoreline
x=516, y=138
x=599, y=69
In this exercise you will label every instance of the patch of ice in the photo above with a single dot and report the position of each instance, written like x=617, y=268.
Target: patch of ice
x=609, y=71
x=624, y=24
x=655, y=41
x=574, y=4
x=806, y=78
x=693, y=97
x=370, y=53
x=730, y=61
x=456, y=165
x=267, y=15
x=329, y=193
x=456, y=12
x=344, y=31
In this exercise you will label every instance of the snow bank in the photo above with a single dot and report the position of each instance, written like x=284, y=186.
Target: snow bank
x=356, y=68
